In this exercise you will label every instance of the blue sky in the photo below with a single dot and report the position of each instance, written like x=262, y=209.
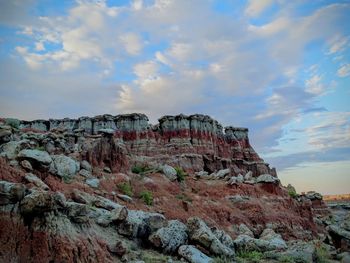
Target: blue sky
x=280, y=68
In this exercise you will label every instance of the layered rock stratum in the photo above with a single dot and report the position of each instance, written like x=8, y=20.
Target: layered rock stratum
x=119, y=189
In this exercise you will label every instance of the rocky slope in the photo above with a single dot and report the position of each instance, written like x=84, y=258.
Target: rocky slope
x=118, y=189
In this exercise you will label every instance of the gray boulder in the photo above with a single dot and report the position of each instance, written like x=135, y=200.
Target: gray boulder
x=86, y=165
x=93, y=182
x=11, y=149
x=267, y=178
x=244, y=230
x=275, y=239
x=168, y=239
x=26, y=165
x=222, y=173
x=65, y=166
x=248, y=176
x=200, y=233
x=41, y=157
x=169, y=172
x=78, y=213
x=193, y=255
x=85, y=173
x=141, y=224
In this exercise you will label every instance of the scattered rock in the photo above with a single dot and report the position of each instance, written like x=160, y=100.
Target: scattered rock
x=107, y=170
x=170, y=238
x=41, y=157
x=169, y=172
x=86, y=165
x=93, y=182
x=65, y=166
x=222, y=173
x=125, y=198
x=36, y=203
x=119, y=248
x=201, y=234
x=193, y=255
x=85, y=173
x=248, y=176
x=78, y=213
x=244, y=230
x=313, y=195
x=267, y=178
x=32, y=178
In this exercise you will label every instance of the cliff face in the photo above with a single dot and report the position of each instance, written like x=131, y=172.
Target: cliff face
x=195, y=142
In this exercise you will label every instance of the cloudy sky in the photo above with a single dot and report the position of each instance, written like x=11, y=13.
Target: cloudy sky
x=280, y=68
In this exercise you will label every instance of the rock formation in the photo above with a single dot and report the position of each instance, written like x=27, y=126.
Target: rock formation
x=118, y=189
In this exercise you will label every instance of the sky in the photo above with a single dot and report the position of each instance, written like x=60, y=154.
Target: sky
x=280, y=68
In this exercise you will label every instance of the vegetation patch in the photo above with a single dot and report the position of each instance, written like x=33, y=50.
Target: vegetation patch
x=180, y=173
x=249, y=256
x=141, y=169
x=147, y=197
x=322, y=254
x=184, y=197
x=14, y=123
x=222, y=259
x=126, y=188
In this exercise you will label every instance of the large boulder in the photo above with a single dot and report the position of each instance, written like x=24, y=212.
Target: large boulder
x=201, y=234
x=5, y=134
x=222, y=173
x=11, y=193
x=36, y=203
x=38, y=156
x=170, y=238
x=32, y=178
x=193, y=255
x=65, y=166
x=141, y=224
x=169, y=172
x=267, y=178
x=275, y=239
x=78, y=213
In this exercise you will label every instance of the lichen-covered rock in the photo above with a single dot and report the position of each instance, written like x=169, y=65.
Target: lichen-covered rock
x=65, y=166
x=171, y=237
x=78, y=213
x=92, y=182
x=41, y=157
x=86, y=165
x=244, y=230
x=193, y=255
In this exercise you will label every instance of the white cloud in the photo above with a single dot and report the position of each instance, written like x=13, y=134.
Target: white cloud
x=132, y=43
x=344, y=71
x=256, y=7
x=146, y=70
x=337, y=44
x=314, y=85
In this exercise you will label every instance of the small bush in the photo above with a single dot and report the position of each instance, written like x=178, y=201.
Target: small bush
x=14, y=123
x=140, y=169
x=40, y=148
x=322, y=254
x=292, y=193
x=181, y=174
x=147, y=197
x=67, y=179
x=286, y=259
x=126, y=188
x=252, y=256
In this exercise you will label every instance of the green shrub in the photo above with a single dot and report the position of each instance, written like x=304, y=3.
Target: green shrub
x=40, y=148
x=286, y=259
x=14, y=123
x=252, y=256
x=322, y=254
x=180, y=173
x=292, y=193
x=147, y=197
x=126, y=188
x=140, y=169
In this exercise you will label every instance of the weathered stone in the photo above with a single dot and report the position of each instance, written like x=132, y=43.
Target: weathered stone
x=32, y=178
x=222, y=173
x=93, y=182
x=244, y=230
x=119, y=248
x=86, y=165
x=125, y=198
x=313, y=195
x=65, y=166
x=267, y=178
x=169, y=172
x=107, y=170
x=12, y=148
x=78, y=213
x=41, y=157
x=85, y=173
x=11, y=193
x=275, y=239
x=36, y=203
x=201, y=234
x=193, y=255
x=168, y=239
x=248, y=176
